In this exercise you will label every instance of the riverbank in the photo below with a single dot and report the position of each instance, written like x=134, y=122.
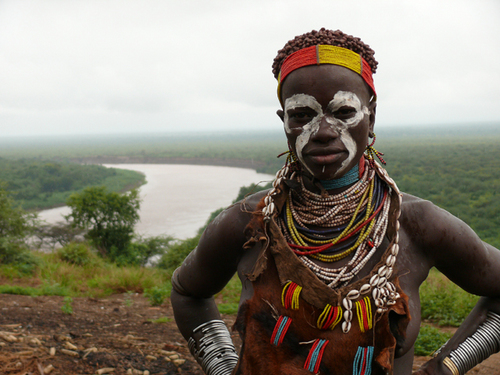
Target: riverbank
x=216, y=162
x=178, y=199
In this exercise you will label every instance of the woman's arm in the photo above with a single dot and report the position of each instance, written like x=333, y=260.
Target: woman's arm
x=205, y=272
x=207, y=269
x=454, y=249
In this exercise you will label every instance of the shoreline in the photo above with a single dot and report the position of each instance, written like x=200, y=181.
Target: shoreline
x=216, y=162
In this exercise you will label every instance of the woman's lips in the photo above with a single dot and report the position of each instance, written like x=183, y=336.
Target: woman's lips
x=326, y=159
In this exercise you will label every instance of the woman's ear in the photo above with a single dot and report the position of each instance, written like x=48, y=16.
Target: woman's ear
x=281, y=114
x=373, y=110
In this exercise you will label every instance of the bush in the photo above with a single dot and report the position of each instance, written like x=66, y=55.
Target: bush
x=177, y=253
x=150, y=247
x=14, y=221
x=157, y=295
x=16, y=254
x=129, y=256
x=79, y=254
x=429, y=340
x=61, y=233
x=251, y=189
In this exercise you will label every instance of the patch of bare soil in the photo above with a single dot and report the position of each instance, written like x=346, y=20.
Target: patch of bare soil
x=116, y=335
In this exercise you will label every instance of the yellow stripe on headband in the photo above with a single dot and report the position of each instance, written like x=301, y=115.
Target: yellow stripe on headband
x=339, y=56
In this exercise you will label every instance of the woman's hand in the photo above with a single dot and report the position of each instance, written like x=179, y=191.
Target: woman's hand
x=433, y=367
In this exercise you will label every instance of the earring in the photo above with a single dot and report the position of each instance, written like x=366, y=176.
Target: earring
x=291, y=158
x=371, y=152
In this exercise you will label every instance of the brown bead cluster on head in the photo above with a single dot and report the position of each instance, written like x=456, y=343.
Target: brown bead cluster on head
x=325, y=37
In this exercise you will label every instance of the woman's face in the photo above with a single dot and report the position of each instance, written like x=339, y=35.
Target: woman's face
x=327, y=116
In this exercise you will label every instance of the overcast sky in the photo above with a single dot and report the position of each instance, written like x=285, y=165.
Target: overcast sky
x=103, y=66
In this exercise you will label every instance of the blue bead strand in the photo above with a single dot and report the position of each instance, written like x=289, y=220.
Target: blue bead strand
x=349, y=178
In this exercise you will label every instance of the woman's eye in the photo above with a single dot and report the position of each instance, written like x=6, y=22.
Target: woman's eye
x=344, y=112
x=301, y=115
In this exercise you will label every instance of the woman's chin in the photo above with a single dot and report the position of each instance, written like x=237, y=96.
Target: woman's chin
x=327, y=171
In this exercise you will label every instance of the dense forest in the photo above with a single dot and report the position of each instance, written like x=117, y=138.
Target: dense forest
x=456, y=167
x=38, y=184
x=461, y=176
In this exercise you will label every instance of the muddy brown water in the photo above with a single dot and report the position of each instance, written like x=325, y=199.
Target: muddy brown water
x=178, y=199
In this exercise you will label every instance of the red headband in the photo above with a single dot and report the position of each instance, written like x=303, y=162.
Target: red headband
x=326, y=54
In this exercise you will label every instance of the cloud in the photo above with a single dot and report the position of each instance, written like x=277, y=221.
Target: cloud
x=106, y=66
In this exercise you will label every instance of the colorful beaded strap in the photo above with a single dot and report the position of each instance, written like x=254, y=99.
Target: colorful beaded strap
x=280, y=330
x=363, y=361
x=364, y=310
x=330, y=317
x=290, y=296
x=313, y=360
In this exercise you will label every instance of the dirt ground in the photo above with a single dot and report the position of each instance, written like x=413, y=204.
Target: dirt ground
x=116, y=335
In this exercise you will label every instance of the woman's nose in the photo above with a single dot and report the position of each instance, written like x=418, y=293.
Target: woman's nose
x=325, y=132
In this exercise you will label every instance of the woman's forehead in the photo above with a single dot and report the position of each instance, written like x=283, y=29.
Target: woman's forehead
x=324, y=81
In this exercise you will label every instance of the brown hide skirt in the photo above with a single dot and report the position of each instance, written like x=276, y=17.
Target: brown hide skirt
x=257, y=319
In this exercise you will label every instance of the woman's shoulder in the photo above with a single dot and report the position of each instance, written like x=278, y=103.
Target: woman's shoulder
x=421, y=210
x=431, y=227
x=229, y=226
x=241, y=210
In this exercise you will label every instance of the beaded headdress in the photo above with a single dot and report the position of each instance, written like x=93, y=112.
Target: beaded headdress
x=326, y=54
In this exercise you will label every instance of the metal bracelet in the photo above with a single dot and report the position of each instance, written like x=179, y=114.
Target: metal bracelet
x=451, y=366
x=476, y=348
x=214, y=351
x=176, y=285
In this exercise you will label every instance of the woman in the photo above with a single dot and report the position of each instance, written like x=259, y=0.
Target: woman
x=332, y=257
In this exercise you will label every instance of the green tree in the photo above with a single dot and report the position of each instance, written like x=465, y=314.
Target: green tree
x=14, y=221
x=15, y=226
x=108, y=217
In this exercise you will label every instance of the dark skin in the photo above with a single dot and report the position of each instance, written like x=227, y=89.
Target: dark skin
x=429, y=236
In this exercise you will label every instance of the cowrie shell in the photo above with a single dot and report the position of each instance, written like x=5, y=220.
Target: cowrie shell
x=353, y=294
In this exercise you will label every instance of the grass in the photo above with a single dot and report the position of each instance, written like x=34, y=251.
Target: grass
x=158, y=294
x=228, y=308
x=67, y=308
x=444, y=303
x=162, y=320
x=230, y=297
x=429, y=340
x=44, y=290
x=231, y=293
x=98, y=279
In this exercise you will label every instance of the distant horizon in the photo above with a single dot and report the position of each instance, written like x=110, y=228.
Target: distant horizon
x=494, y=125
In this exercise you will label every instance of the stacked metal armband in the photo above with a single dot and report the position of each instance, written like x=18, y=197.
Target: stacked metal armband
x=214, y=351
x=475, y=349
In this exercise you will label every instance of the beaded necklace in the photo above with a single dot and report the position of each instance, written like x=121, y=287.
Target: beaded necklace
x=349, y=178
x=377, y=284
x=361, y=215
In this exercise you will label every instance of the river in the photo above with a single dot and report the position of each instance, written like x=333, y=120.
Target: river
x=178, y=199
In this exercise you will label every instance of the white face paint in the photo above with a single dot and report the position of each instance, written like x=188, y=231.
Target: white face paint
x=341, y=99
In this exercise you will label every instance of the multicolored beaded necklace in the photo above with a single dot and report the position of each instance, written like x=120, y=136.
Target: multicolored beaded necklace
x=353, y=221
